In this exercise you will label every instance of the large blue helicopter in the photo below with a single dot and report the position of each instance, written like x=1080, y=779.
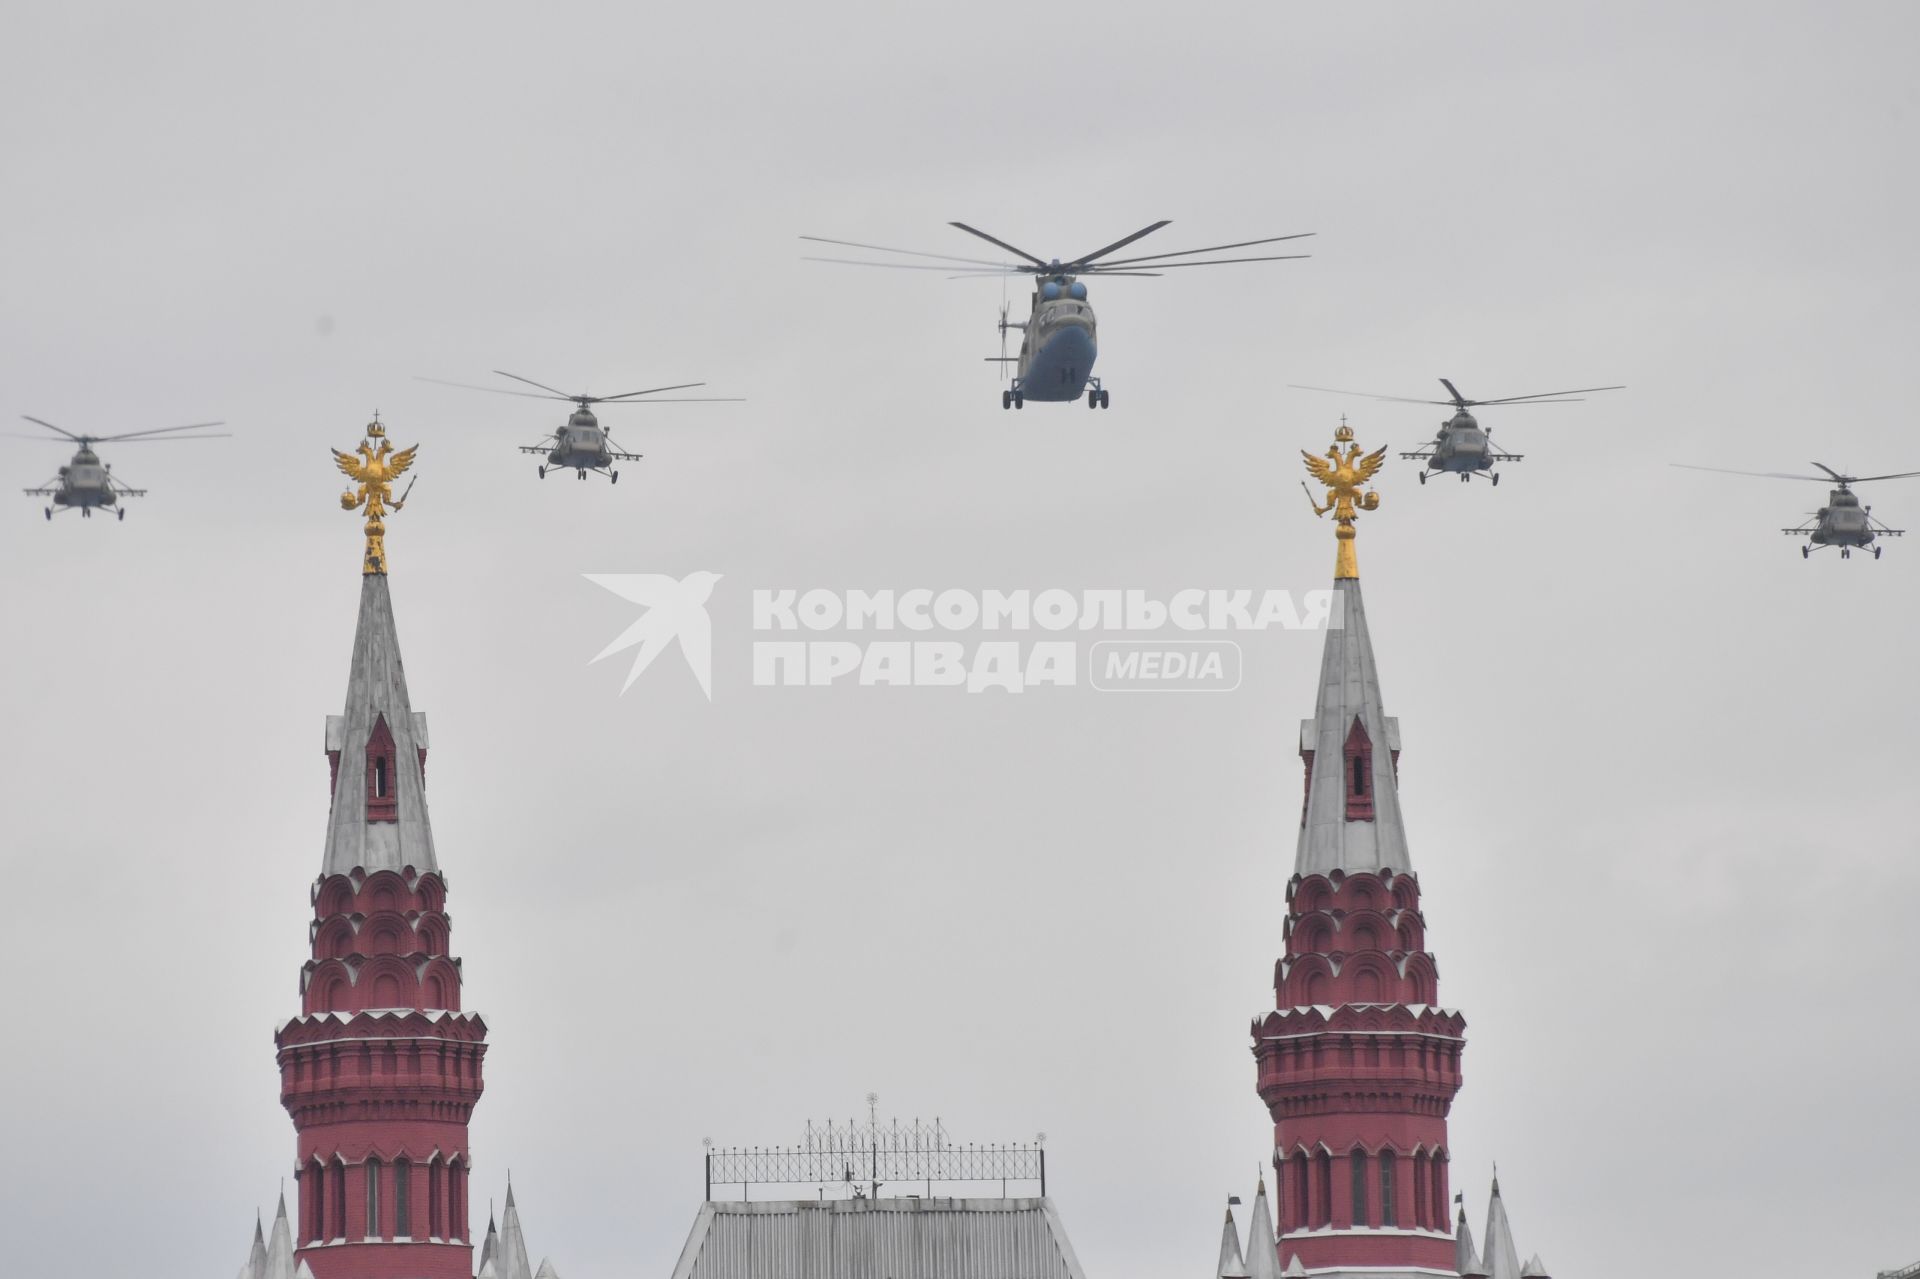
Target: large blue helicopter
x=1058, y=341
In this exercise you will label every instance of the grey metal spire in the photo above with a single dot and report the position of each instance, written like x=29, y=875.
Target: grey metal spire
x=1352, y=822
x=492, y=1241
x=1263, y=1250
x=1466, y=1260
x=1232, y=1264
x=279, y=1261
x=379, y=815
x=1501, y=1259
x=511, y=1255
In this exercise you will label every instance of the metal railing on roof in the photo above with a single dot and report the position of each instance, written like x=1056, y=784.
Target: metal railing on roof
x=863, y=1157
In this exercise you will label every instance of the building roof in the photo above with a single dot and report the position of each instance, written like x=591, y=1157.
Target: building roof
x=879, y=1239
x=1330, y=840
x=377, y=691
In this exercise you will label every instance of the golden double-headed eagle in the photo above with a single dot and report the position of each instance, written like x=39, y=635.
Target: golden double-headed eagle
x=1345, y=472
x=374, y=469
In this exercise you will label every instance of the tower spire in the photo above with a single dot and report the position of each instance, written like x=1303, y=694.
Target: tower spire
x=1357, y=1063
x=381, y=1069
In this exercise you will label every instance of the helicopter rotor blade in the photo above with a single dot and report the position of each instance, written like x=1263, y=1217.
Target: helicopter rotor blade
x=1218, y=248
x=1086, y=258
x=1862, y=479
x=1543, y=397
x=691, y=399
x=926, y=266
x=491, y=390
x=1764, y=475
x=167, y=439
x=543, y=386
x=51, y=427
x=1830, y=471
x=164, y=430
x=1161, y=266
x=881, y=248
x=1018, y=253
x=1371, y=395
x=609, y=399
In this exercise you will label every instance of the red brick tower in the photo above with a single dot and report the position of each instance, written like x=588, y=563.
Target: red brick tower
x=381, y=1069
x=1357, y=1064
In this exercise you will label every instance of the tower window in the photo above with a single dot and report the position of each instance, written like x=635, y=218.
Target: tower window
x=1388, y=1217
x=1359, y=756
x=402, y=1199
x=381, y=760
x=373, y=1199
x=1360, y=1188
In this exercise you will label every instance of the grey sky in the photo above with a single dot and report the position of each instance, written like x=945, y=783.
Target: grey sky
x=1658, y=770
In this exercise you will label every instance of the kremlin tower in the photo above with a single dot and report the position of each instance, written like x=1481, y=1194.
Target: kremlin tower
x=1357, y=1063
x=381, y=1069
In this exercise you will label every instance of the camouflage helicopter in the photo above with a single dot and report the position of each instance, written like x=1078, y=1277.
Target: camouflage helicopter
x=86, y=483
x=1057, y=343
x=1842, y=522
x=1461, y=447
x=581, y=442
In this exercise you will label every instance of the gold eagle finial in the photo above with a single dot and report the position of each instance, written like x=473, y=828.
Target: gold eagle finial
x=374, y=470
x=1344, y=472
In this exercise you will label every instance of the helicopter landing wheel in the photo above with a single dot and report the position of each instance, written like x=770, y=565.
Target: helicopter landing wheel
x=1006, y=399
x=614, y=476
x=1105, y=398
x=49, y=512
x=1466, y=477
x=1019, y=400
x=543, y=471
x=1846, y=552
x=580, y=475
x=1806, y=552
x=122, y=515
x=1877, y=550
x=1496, y=480
x=1093, y=399
x=1423, y=477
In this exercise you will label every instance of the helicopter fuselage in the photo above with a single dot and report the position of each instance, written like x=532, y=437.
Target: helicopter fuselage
x=1461, y=447
x=1842, y=521
x=1058, y=345
x=582, y=444
x=83, y=484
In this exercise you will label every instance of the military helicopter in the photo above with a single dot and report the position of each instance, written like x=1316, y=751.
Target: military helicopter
x=86, y=483
x=581, y=442
x=1460, y=447
x=1842, y=522
x=1057, y=339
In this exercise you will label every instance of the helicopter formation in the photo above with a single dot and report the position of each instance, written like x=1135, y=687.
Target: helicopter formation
x=1055, y=362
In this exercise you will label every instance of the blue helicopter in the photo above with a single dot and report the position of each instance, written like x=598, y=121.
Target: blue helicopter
x=1058, y=341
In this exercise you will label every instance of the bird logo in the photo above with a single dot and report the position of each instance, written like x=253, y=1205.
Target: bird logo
x=676, y=609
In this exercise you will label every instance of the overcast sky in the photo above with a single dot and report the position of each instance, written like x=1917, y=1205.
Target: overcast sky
x=1658, y=770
